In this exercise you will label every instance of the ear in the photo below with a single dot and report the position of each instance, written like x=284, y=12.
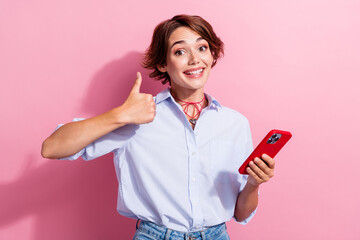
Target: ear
x=161, y=68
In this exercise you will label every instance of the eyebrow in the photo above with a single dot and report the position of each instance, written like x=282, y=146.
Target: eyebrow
x=182, y=41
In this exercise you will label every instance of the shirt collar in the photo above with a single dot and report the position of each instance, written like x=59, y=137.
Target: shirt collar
x=213, y=103
x=165, y=94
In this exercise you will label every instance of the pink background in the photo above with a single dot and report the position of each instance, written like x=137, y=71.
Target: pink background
x=291, y=65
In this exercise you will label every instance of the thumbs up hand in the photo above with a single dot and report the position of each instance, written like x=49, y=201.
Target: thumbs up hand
x=139, y=108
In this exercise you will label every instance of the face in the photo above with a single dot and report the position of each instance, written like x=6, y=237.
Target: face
x=189, y=61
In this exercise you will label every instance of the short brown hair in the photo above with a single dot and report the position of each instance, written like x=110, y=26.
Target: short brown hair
x=156, y=53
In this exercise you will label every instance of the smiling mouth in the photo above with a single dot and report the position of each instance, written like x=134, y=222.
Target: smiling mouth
x=195, y=72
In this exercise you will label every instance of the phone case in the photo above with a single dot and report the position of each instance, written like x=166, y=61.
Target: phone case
x=271, y=145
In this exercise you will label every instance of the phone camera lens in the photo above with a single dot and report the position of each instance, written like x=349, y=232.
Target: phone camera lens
x=274, y=138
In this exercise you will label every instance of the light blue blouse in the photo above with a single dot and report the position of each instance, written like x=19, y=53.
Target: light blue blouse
x=175, y=176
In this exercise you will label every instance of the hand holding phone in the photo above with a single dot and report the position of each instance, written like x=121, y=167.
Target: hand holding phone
x=270, y=145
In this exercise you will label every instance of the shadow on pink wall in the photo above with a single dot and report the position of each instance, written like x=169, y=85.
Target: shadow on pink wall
x=77, y=200
x=112, y=84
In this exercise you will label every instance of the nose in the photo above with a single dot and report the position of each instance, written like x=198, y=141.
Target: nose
x=193, y=58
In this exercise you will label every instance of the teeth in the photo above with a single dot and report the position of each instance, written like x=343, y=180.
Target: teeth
x=195, y=72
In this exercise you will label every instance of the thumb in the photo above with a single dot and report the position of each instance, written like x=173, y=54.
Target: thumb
x=137, y=84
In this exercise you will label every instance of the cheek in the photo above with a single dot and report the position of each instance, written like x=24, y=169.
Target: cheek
x=175, y=65
x=208, y=59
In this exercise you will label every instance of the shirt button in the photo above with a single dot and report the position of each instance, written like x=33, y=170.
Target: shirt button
x=193, y=153
x=193, y=179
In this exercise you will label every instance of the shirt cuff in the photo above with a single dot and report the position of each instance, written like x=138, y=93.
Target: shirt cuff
x=244, y=222
x=76, y=155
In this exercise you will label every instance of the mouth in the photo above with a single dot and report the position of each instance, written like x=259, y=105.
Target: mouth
x=194, y=72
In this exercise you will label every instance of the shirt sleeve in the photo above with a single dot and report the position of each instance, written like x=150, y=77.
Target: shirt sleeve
x=110, y=142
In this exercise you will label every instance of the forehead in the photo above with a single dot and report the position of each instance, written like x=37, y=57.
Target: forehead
x=184, y=34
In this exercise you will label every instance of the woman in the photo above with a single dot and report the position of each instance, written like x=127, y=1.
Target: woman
x=176, y=155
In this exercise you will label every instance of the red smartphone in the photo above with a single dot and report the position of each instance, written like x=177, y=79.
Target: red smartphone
x=271, y=145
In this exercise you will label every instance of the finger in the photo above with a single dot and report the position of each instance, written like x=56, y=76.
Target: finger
x=258, y=171
x=254, y=175
x=269, y=161
x=137, y=84
x=264, y=167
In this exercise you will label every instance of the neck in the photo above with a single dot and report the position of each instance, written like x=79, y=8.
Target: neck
x=191, y=108
x=189, y=96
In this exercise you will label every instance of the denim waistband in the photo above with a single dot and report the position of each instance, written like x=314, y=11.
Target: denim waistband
x=159, y=232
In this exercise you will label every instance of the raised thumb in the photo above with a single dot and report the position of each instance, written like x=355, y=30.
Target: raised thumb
x=137, y=84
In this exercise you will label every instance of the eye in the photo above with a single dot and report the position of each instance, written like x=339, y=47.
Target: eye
x=203, y=48
x=179, y=52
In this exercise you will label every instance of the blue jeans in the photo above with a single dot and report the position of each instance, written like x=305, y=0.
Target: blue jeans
x=151, y=231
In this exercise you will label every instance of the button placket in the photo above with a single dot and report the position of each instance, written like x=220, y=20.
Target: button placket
x=192, y=177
